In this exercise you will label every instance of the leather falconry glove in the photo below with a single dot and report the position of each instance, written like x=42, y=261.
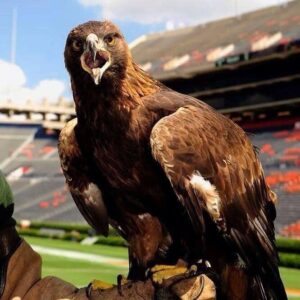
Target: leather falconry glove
x=9, y=238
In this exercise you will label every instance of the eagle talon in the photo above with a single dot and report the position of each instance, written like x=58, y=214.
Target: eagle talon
x=203, y=263
x=121, y=280
x=193, y=269
x=207, y=264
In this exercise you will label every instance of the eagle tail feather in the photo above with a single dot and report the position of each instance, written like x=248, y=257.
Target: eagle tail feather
x=204, y=197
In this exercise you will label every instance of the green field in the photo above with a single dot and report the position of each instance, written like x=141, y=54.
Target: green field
x=80, y=272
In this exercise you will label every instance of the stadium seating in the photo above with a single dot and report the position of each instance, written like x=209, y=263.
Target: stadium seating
x=292, y=230
x=31, y=163
x=12, y=138
x=256, y=33
x=280, y=156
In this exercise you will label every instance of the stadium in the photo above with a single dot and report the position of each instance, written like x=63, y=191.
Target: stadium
x=246, y=67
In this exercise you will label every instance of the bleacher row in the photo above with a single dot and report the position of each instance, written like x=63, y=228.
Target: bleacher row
x=250, y=35
x=32, y=167
x=280, y=156
x=31, y=164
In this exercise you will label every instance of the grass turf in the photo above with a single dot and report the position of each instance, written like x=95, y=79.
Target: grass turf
x=113, y=251
x=81, y=272
x=290, y=277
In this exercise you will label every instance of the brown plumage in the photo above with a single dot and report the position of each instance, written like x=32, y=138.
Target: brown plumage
x=173, y=176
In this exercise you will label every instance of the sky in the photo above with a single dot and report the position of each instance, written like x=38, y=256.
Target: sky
x=38, y=70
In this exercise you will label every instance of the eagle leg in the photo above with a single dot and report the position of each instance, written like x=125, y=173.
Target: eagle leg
x=136, y=270
x=121, y=280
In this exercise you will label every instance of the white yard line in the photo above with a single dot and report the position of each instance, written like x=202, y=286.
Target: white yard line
x=24, y=188
x=48, y=155
x=16, y=152
x=94, y=258
x=13, y=137
x=25, y=159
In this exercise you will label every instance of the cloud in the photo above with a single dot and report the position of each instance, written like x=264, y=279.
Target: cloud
x=175, y=11
x=12, y=86
x=11, y=76
x=51, y=89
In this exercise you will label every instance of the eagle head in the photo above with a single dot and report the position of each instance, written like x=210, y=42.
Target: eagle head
x=96, y=51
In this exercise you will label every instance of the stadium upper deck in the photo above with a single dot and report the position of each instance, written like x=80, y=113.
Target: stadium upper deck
x=188, y=51
x=247, y=67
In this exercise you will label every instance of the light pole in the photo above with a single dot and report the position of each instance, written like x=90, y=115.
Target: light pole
x=14, y=36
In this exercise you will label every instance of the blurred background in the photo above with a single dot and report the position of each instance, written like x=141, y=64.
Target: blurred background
x=241, y=57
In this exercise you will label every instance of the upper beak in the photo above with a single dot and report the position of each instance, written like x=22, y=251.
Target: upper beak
x=95, y=59
x=93, y=44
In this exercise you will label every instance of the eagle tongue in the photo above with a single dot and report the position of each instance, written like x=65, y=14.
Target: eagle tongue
x=95, y=60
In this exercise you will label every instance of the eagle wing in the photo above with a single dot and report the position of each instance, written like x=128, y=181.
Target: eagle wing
x=86, y=193
x=213, y=168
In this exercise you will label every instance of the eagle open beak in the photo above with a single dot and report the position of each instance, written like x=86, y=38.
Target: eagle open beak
x=95, y=59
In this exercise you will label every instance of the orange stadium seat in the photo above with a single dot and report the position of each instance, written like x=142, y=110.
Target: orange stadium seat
x=273, y=179
x=27, y=151
x=295, y=150
x=268, y=149
x=292, y=230
x=44, y=204
x=286, y=178
x=289, y=157
x=47, y=150
x=281, y=134
x=292, y=188
x=293, y=137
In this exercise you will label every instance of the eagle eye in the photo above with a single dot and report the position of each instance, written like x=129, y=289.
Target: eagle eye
x=110, y=40
x=77, y=45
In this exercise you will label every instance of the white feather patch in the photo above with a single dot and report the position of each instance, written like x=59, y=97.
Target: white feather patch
x=143, y=216
x=209, y=193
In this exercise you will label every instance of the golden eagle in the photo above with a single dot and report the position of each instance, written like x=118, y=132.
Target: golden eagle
x=177, y=179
